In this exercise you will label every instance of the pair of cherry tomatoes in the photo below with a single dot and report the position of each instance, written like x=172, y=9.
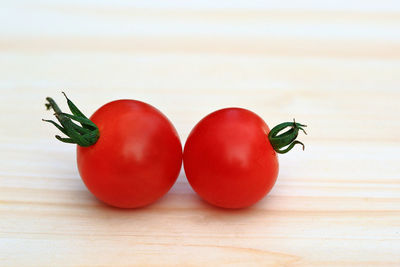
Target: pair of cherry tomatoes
x=129, y=153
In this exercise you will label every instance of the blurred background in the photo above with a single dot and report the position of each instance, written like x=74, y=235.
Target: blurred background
x=305, y=59
x=334, y=65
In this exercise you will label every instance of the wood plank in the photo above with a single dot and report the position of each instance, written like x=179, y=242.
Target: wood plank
x=333, y=66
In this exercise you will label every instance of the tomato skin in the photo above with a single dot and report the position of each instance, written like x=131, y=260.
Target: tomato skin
x=228, y=159
x=137, y=158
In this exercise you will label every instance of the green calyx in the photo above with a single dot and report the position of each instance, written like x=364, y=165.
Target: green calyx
x=286, y=139
x=85, y=134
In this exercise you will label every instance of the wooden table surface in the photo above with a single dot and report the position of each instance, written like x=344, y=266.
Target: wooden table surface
x=335, y=67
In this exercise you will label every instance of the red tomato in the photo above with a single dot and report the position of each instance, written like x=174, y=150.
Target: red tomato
x=137, y=157
x=229, y=160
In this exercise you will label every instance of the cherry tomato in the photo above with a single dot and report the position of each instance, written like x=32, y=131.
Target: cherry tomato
x=229, y=159
x=136, y=158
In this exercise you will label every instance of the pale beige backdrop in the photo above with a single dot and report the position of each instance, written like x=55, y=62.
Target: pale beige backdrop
x=334, y=66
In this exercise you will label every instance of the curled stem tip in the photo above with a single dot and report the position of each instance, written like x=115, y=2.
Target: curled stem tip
x=286, y=139
x=85, y=134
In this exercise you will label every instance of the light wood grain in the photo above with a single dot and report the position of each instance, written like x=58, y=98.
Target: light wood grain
x=333, y=66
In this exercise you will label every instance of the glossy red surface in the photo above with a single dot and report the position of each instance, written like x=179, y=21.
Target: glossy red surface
x=229, y=160
x=137, y=157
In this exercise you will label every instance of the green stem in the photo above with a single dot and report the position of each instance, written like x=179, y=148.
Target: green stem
x=85, y=135
x=286, y=139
